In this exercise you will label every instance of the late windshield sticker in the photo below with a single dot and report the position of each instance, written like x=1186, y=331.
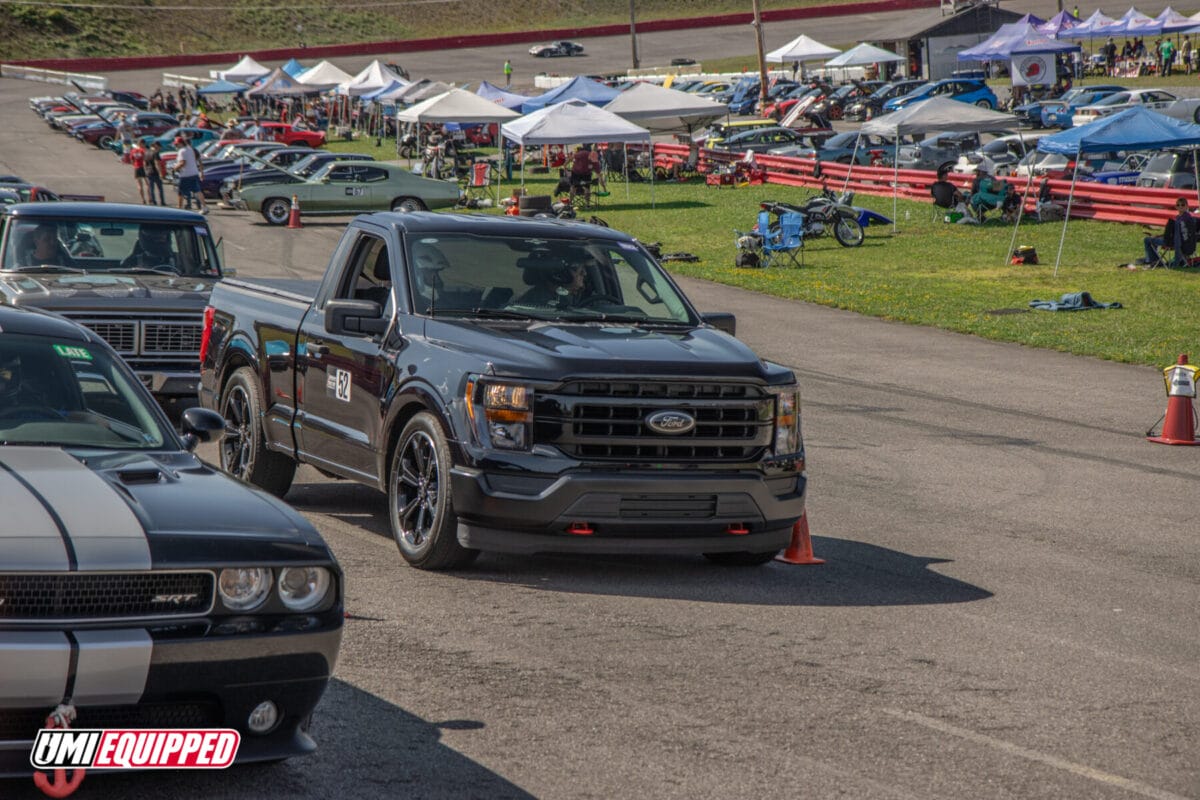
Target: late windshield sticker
x=70, y=351
x=337, y=384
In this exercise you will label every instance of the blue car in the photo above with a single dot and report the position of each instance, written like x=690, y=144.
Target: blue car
x=967, y=91
x=1058, y=113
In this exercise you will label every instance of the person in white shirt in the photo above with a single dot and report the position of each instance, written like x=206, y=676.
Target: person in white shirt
x=189, y=173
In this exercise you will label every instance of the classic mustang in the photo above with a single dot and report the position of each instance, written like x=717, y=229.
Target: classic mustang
x=353, y=187
x=138, y=584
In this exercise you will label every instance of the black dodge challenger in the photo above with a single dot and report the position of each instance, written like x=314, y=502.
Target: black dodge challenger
x=138, y=584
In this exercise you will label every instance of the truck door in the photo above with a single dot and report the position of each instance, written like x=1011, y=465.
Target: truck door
x=343, y=378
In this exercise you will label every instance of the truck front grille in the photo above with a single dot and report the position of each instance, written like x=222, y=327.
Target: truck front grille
x=606, y=420
x=162, y=335
x=84, y=596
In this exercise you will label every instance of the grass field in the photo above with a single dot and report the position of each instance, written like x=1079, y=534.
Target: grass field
x=928, y=272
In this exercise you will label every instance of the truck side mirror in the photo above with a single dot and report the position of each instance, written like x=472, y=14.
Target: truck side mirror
x=363, y=317
x=722, y=321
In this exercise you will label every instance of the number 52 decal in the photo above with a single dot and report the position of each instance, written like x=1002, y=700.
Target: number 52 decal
x=337, y=383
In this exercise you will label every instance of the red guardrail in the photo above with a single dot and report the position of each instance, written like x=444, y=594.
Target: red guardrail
x=1129, y=204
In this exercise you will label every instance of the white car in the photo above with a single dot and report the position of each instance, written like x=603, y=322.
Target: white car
x=1186, y=109
x=554, y=49
x=1000, y=155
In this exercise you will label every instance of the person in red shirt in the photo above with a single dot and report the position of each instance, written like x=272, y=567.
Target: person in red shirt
x=137, y=157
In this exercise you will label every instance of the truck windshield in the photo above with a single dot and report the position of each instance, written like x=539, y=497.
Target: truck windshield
x=108, y=246
x=71, y=394
x=543, y=278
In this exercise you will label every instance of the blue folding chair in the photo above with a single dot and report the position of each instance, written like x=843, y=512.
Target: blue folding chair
x=785, y=238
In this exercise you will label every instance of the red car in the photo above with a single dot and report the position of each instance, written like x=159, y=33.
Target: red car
x=289, y=134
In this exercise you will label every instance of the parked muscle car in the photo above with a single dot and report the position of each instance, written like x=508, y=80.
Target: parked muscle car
x=554, y=49
x=1057, y=113
x=286, y=134
x=142, y=587
x=975, y=92
x=138, y=275
x=250, y=164
x=342, y=187
x=867, y=107
x=937, y=150
x=306, y=167
x=1186, y=109
x=144, y=123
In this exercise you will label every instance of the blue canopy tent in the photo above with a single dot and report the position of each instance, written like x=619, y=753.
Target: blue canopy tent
x=222, y=87
x=510, y=100
x=1015, y=39
x=1136, y=128
x=293, y=67
x=1134, y=23
x=1174, y=22
x=578, y=88
x=1090, y=28
x=1062, y=21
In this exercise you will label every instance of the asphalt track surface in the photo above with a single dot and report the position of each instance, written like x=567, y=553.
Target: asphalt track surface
x=1008, y=609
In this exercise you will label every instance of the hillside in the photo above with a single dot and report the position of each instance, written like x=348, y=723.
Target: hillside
x=133, y=27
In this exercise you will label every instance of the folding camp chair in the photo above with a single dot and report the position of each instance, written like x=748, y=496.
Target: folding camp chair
x=785, y=238
x=479, y=179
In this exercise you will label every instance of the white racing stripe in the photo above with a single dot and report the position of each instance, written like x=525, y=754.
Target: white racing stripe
x=34, y=666
x=104, y=532
x=29, y=536
x=1136, y=787
x=113, y=666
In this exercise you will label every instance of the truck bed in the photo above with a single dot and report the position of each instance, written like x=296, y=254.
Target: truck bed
x=298, y=291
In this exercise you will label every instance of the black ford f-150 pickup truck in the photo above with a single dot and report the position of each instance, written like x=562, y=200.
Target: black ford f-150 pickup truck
x=514, y=385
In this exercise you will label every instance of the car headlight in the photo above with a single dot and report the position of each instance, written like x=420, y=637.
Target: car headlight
x=502, y=413
x=244, y=588
x=787, y=419
x=303, y=588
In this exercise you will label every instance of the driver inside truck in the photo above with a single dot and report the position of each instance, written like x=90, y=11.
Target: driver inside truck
x=555, y=281
x=41, y=247
x=153, y=249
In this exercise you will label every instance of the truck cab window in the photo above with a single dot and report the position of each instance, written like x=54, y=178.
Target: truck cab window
x=370, y=275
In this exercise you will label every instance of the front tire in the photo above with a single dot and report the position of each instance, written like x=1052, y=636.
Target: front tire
x=984, y=103
x=276, y=211
x=407, y=205
x=420, y=502
x=244, y=453
x=848, y=232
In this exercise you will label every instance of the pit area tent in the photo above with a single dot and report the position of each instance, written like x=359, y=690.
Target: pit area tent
x=245, y=71
x=324, y=74
x=1134, y=23
x=280, y=84
x=222, y=87
x=293, y=67
x=573, y=122
x=1136, y=128
x=1090, y=28
x=862, y=54
x=802, y=49
x=388, y=94
x=373, y=77
x=417, y=93
x=1062, y=21
x=456, y=105
x=510, y=100
x=1174, y=22
x=664, y=110
x=935, y=114
x=578, y=88
x=1015, y=39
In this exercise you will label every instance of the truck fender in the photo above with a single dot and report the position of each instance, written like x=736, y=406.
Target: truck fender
x=239, y=351
x=415, y=396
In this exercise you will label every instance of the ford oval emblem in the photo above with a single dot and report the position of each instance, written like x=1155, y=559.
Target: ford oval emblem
x=671, y=423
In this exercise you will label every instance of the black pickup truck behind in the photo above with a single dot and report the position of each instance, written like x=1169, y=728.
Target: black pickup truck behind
x=513, y=385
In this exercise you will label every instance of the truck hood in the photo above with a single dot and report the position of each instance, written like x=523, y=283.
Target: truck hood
x=39, y=287
x=554, y=350
x=122, y=510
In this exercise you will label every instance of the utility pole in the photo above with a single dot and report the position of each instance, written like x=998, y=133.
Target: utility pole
x=633, y=34
x=762, y=64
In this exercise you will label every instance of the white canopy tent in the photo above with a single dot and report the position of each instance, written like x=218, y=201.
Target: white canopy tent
x=935, y=114
x=324, y=74
x=244, y=71
x=802, y=49
x=573, y=122
x=457, y=105
x=664, y=110
x=374, y=77
x=862, y=54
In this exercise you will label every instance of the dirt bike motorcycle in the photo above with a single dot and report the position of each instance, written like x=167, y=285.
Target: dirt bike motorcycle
x=824, y=213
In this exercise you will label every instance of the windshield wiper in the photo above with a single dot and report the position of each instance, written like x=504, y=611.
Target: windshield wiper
x=48, y=268
x=145, y=270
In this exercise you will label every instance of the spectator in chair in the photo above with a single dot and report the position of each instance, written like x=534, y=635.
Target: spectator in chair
x=991, y=194
x=945, y=194
x=1179, y=236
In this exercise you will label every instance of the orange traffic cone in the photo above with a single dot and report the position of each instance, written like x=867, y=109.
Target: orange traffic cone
x=800, y=550
x=294, y=214
x=1179, y=423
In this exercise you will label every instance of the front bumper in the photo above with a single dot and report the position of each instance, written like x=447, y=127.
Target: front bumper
x=182, y=385
x=627, y=511
x=199, y=675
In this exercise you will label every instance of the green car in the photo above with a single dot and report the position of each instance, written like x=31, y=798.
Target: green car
x=348, y=187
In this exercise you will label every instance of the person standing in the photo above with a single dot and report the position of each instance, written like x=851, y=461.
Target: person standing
x=1166, y=56
x=187, y=166
x=1075, y=12
x=137, y=157
x=154, y=173
x=507, y=72
x=1185, y=54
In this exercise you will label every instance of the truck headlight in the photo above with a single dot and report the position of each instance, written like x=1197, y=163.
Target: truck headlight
x=504, y=411
x=244, y=588
x=787, y=419
x=303, y=588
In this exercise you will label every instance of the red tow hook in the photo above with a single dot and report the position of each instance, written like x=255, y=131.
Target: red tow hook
x=580, y=529
x=737, y=529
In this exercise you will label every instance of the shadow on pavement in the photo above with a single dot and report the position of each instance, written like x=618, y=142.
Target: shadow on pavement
x=367, y=748
x=855, y=573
